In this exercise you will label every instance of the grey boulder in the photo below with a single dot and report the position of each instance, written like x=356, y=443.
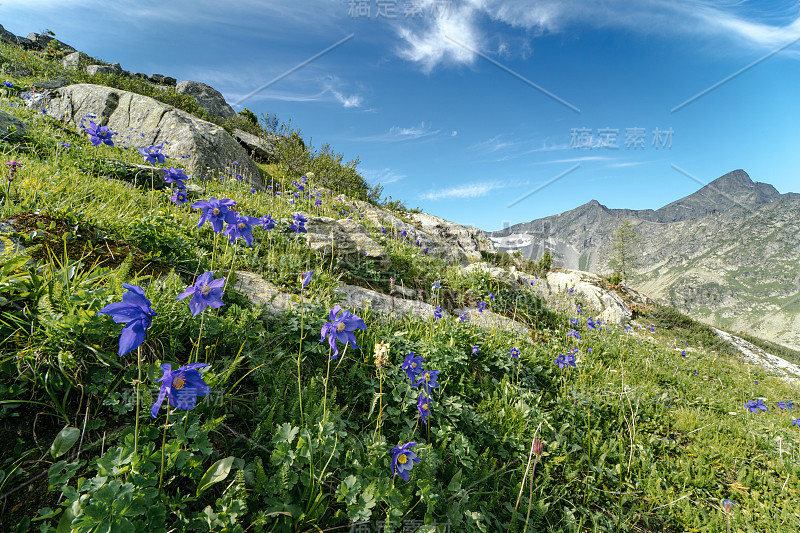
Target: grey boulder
x=207, y=97
x=210, y=148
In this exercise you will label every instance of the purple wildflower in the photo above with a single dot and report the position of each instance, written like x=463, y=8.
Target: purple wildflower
x=153, y=154
x=135, y=311
x=240, y=227
x=564, y=361
x=341, y=328
x=205, y=292
x=514, y=353
x=422, y=406
x=179, y=197
x=182, y=386
x=403, y=460
x=412, y=365
x=99, y=134
x=215, y=211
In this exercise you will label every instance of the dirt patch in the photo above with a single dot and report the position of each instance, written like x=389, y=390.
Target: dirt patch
x=80, y=241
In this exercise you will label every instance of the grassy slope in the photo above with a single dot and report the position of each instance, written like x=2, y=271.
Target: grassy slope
x=635, y=440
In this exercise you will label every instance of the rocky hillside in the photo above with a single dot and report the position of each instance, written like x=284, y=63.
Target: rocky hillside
x=727, y=254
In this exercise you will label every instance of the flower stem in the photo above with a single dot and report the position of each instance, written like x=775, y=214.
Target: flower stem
x=138, y=382
x=163, y=445
x=299, y=352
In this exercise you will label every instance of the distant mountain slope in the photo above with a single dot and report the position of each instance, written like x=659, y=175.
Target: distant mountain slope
x=728, y=254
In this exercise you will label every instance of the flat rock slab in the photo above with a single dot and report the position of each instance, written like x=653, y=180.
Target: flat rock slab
x=360, y=298
x=261, y=292
x=753, y=354
x=344, y=238
x=9, y=123
x=210, y=148
x=491, y=320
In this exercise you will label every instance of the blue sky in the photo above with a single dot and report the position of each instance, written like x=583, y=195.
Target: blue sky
x=486, y=112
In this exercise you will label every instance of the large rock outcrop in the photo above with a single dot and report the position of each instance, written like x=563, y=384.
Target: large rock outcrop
x=611, y=307
x=464, y=242
x=207, y=97
x=211, y=150
x=344, y=238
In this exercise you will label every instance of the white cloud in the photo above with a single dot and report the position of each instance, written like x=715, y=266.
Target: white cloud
x=473, y=190
x=428, y=45
x=399, y=133
x=739, y=24
x=581, y=159
x=383, y=176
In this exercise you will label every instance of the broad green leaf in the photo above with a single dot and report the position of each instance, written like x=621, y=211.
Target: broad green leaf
x=215, y=474
x=65, y=440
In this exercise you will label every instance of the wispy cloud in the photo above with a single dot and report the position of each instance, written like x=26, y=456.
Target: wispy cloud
x=383, y=176
x=401, y=133
x=581, y=159
x=628, y=164
x=473, y=190
x=738, y=23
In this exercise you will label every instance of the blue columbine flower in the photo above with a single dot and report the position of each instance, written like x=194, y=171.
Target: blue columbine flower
x=403, y=460
x=216, y=212
x=436, y=285
x=153, y=154
x=463, y=317
x=299, y=223
x=175, y=176
x=182, y=386
x=755, y=405
x=135, y=311
x=573, y=321
x=590, y=324
x=341, y=328
x=727, y=506
x=99, y=134
x=491, y=297
x=564, y=361
x=179, y=197
x=267, y=223
x=514, y=353
x=428, y=378
x=205, y=292
x=437, y=313
x=475, y=350
x=422, y=406
x=481, y=307
x=412, y=365
x=306, y=279
x=240, y=227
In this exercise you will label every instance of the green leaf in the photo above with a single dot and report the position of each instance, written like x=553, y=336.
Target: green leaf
x=65, y=524
x=65, y=440
x=215, y=474
x=14, y=263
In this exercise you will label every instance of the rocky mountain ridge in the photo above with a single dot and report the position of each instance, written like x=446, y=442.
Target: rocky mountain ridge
x=726, y=254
